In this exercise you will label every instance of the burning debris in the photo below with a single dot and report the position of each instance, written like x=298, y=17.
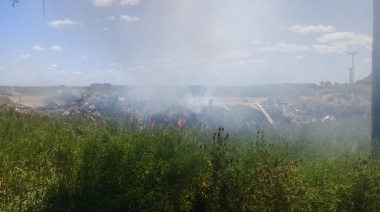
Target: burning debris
x=230, y=112
x=93, y=106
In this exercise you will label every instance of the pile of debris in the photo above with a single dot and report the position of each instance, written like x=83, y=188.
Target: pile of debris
x=94, y=106
x=280, y=110
x=6, y=103
x=327, y=107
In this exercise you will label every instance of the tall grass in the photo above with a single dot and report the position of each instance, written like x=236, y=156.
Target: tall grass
x=72, y=164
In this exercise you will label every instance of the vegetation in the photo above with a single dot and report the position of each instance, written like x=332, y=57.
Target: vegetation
x=72, y=164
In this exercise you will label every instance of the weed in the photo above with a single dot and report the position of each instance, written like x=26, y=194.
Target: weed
x=72, y=164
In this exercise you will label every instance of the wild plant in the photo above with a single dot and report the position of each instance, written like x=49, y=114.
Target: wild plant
x=72, y=164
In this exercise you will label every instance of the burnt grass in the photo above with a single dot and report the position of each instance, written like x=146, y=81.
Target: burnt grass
x=73, y=164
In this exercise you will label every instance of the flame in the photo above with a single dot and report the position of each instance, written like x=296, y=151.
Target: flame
x=151, y=123
x=180, y=123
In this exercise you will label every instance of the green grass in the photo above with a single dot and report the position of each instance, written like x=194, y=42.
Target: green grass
x=72, y=164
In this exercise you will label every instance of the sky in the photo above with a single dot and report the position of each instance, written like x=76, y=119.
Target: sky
x=183, y=42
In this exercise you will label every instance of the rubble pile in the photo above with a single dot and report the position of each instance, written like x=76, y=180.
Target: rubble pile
x=94, y=106
x=232, y=116
x=5, y=102
x=322, y=108
x=273, y=110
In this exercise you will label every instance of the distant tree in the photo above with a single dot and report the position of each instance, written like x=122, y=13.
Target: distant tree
x=328, y=83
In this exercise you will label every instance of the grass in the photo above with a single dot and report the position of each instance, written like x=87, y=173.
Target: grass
x=72, y=164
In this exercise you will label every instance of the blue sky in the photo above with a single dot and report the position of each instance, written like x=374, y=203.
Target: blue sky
x=183, y=42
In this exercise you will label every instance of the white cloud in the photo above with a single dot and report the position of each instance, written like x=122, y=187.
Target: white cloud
x=105, y=29
x=62, y=23
x=341, y=42
x=2, y=67
x=57, y=48
x=285, y=47
x=54, y=66
x=25, y=56
x=103, y=3
x=299, y=57
x=336, y=42
x=111, y=18
x=312, y=28
x=129, y=2
x=330, y=48
x=38, y=48
x=108, y=3
x=128, y=18
x=84, y=57
x=346, y=39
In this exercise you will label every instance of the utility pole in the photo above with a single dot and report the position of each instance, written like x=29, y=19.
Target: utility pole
x=376, y=80
x=352, y=69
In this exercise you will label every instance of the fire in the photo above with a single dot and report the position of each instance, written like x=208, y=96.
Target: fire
x=180, y=122
x=151, y=123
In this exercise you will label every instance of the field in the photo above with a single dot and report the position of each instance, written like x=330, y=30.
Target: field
x=73, y=164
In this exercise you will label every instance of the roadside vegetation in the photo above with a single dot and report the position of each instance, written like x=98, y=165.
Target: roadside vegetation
x=73, y=164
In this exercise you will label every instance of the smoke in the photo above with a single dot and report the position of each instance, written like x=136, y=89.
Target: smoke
x=189, y=56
